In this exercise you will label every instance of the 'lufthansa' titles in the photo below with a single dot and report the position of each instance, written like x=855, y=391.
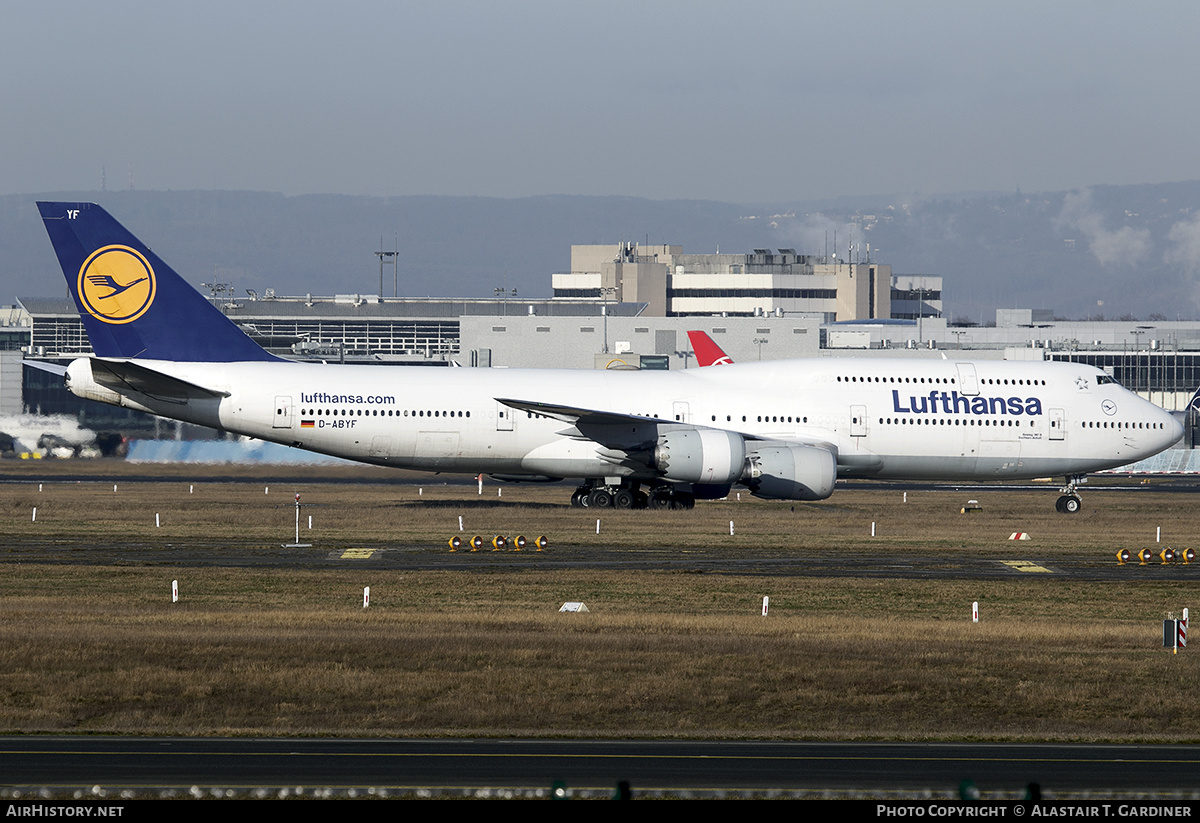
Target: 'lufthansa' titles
x=941, y=402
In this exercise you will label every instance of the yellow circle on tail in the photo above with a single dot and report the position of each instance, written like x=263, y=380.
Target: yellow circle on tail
x=116, y=284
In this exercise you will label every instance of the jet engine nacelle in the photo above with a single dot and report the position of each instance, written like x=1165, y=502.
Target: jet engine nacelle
x=81, y=383
x=702, y=456
x=791, y=473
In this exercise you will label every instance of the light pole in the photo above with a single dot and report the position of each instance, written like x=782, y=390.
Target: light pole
x=1137, y=356
x=605, y=292
x=504, y=294
x=920, y=312
x=388, y=258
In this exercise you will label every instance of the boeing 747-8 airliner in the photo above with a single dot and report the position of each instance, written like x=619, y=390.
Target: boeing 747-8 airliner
x=785, y=430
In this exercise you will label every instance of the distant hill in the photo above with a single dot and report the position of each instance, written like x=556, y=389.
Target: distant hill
x=1111, y=250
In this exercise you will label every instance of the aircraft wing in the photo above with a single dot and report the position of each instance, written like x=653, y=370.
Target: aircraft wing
x=613, y=430
x=623, y=431
x=46, y=366
x=123, y=376
x=575, y=415
x=628, y=432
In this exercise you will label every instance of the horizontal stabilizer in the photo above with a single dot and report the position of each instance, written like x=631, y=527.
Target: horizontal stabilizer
x=46, y=365
x=125, y=377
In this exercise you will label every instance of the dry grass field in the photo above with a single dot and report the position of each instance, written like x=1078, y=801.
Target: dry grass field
x=672, y=646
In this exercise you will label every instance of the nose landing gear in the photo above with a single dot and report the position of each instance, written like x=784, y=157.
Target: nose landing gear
x=1070, y=502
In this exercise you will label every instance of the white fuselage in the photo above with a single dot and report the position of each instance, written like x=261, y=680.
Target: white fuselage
x=937, y=419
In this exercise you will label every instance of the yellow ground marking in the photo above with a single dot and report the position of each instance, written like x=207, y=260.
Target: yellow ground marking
x=1026, y=566
x=357, y=554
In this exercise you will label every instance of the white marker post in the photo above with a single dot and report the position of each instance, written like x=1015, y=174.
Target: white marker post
x=34, y=515
x=460, y=525
x=872, y=528
x=366, y=596
x=480, y=478
x=975, y=612
x=766, y=600
x=156, y=523
x=174, y=591
x=297, y=544
x=597, y=525
x=1158, y=534
x=731, y=528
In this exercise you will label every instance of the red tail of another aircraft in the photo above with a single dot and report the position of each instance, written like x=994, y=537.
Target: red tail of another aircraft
x=708, y=353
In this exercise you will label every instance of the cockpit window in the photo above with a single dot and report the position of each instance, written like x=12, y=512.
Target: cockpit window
x=1104, y=379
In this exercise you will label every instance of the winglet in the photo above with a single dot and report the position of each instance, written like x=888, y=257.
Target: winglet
x=133, y=305
x=708, y=353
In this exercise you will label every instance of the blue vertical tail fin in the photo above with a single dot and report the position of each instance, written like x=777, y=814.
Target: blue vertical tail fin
x=134, y=305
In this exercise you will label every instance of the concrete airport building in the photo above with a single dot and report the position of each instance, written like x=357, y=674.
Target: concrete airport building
x=674, y=284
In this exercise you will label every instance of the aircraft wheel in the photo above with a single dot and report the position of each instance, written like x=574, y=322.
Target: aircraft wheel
x=683, y=502
x=577, y=498
x=600, y=499
x=623, y=499
x=1058, y=504
x=1072, y=504
x=660, y=500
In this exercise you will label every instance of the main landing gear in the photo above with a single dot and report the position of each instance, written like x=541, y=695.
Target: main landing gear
x=1070, y=502
x=593, y=496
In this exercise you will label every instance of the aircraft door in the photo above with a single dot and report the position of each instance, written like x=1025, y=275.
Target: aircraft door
x=858, y=421
x=681, y=411
x=282, y=418
x=968, y=380
x=504, y=418
x=1058, y=424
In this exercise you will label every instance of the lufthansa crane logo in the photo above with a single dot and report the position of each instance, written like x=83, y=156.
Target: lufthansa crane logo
x=116, y=284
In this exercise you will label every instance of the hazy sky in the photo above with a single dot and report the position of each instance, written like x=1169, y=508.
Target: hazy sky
x=736, y=101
